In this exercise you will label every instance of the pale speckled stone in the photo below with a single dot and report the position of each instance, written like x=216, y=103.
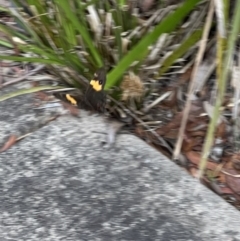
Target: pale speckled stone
x=61, y=184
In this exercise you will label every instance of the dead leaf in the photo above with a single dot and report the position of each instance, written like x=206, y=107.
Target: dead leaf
x=212, y=185
x=74, y=111
x=233, y=182
x=42, y=96
x=221, y=130
x=174, y=124
x=201, y=125
x=11, y=141
x=187, y=145
x=195, y=157
x=234, y=162
x=139, y=131
x=185, y=77
x=171, y=102
x=226, y=190
x=172, y=134
x=198, y=133
x=146, y=5
x=221, y=177
x=194, y=172
x=210, y=110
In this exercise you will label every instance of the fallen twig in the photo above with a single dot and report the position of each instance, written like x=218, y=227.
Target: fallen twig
x=163, y=142
x=39, y=67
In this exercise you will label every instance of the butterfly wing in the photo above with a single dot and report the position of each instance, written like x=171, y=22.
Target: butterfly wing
x=93, y=99
x=96, y=100
x=73, y=98
x=95, y=95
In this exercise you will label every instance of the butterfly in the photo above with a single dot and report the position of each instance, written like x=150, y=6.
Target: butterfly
x=94, y=97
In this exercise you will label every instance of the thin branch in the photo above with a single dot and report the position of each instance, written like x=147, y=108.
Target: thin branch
x=34, y=71
x=163, y=142
x=199, y=58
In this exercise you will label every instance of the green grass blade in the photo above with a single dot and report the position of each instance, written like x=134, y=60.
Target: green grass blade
x=122, y=3
x=43, y=16
x=43, y=52
x=3, y=9
x=67, y=12
x=81, y=7
x=27, y=91
x=11, y=32
x=223, y=80
x=5, y=44
x=25, y=25
x=140, y=51
x=70, y=33
x=118, y=39
x=30, y=59
x=183, y=48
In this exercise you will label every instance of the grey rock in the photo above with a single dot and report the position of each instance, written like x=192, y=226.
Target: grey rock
x=59, y=183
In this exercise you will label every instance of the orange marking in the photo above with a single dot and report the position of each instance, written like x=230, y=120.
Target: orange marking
x=95, y=84
x=71, y=99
